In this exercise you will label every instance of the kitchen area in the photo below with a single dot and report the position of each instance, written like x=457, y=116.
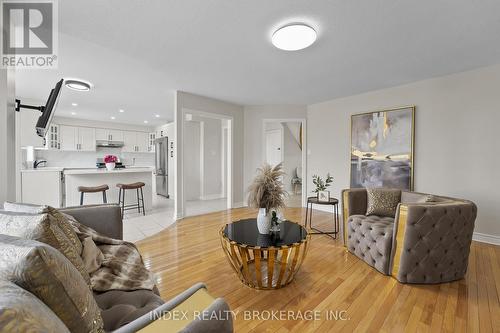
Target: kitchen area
x=71, y=157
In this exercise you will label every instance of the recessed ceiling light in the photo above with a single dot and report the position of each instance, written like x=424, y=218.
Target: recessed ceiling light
x=157, y=115
x=74, y=104
x=113, y=117
x=121, y=110
x=73, y=113
x=77, y=84
x=294, y=37
x=145, y=121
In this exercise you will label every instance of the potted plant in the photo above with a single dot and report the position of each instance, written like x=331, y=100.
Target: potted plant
x=110, y=161
x=321, y=186
x=267, y=193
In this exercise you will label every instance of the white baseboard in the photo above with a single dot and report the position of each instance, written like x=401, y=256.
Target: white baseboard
x=485, y=238
x=239, y=204
x=212, y=196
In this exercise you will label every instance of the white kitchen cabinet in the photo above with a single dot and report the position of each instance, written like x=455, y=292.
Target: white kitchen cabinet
x=68, y=137
x=75, y=138
x=52, y=139
x=129, y=142
x=86, y=139
x=135, y=142
x=42, y=187
x=151, y=142
x=105, y=134
x=142, y=142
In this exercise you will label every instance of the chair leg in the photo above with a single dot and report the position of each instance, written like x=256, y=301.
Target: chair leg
x=142, y=199
x=123, y=203
x=81, y=198
x=104, y=199
x=138, y=204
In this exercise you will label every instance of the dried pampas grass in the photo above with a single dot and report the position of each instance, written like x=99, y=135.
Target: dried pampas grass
x=266, y=190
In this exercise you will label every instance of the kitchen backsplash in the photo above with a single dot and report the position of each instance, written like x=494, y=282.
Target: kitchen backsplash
x=69, y=159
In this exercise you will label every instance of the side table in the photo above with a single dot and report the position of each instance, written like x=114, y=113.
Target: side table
x=332, y=202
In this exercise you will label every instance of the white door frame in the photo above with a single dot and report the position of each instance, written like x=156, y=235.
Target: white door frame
x=229, y=182
x=303, y=121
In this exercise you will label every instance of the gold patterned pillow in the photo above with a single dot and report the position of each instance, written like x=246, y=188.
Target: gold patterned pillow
x=61, y=220
x=47, y=274
x=21, y=311
x=382, y=202
x=42, y=228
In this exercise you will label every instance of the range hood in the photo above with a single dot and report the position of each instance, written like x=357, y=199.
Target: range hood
x=109, y=144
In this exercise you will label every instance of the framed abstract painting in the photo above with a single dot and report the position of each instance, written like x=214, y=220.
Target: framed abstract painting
x=382, y=144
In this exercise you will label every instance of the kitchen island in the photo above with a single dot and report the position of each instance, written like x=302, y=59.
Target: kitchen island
x=95, y=177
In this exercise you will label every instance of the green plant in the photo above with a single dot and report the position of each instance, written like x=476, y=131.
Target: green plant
x=266, y=190
x=322, y=185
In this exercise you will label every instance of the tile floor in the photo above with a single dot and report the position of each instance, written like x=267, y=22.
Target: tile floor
x=161, y=216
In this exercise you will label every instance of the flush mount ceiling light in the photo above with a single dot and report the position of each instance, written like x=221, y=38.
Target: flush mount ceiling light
x=294, y=37
x=77, y=84
x=113, y=117
x=74, y=104
x=121, y=110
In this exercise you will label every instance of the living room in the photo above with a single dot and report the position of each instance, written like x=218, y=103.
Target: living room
x=328, y=166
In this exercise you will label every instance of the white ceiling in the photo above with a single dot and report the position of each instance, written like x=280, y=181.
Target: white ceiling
x=138, y=52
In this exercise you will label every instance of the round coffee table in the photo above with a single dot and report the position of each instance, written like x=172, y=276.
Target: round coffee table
x=264, y=261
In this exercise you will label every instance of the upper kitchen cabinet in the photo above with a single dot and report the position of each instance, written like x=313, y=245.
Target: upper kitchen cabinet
x=104, y=134
x=135, y=142
x=75, y=138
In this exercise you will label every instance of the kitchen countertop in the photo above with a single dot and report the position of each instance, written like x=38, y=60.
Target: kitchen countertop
x=43, y=169
x=95, y=171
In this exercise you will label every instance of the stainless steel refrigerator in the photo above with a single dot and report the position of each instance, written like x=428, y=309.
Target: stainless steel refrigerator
x=161, y=160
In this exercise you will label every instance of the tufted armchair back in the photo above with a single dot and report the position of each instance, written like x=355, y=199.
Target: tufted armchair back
x=430, y=241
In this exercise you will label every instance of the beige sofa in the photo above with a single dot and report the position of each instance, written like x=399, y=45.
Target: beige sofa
x=121, y=311
x=428, y=240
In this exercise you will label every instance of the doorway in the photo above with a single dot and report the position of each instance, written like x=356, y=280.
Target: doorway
x=206, y=162
x=283, y=143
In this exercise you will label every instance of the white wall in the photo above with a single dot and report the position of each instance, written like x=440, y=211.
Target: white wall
x=192, y=163
x=188, y=101
x=212, y=159
x=8, y=175
x=292, y=156
x=457, y=141
x=254, y=133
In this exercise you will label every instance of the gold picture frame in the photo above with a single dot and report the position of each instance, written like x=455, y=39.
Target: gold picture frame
x=382, y=148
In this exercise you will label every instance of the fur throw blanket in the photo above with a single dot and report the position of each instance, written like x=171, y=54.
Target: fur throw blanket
x=121, y=266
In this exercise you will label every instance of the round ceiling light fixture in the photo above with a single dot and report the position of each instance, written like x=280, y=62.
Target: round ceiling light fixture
x=77, y=84
x=294, y=37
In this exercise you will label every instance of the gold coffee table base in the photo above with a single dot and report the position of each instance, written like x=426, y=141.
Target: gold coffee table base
x=264, y=267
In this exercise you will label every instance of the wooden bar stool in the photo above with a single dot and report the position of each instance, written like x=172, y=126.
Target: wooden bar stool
x=93, y=189
x=140, y=198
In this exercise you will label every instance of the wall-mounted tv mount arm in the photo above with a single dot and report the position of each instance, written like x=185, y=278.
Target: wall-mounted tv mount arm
x=20, y=106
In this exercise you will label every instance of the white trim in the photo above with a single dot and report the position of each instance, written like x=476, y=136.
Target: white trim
x=212, y=196
x=202, y=159
x=239, y=205
x=485, y=238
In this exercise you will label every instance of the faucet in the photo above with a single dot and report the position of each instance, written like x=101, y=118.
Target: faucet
x=38, y=162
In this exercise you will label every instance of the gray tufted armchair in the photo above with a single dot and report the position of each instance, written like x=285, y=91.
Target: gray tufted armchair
x=427, y=241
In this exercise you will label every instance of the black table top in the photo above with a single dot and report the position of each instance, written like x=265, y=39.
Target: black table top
x=315, y=200
x=245, y=232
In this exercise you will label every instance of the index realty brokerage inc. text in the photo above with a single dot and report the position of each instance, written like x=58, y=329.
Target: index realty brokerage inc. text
x=308, y=315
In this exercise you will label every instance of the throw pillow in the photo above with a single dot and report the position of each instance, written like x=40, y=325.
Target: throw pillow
x=61, y=220
x=91, y=255
x=21, y=311
x=382, y=202
x=47, y=274
x=42, y=228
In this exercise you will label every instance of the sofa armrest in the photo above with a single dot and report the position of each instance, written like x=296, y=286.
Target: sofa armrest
x=105, y=219
x=431, y=241
x=218, y=307
x=354, y=202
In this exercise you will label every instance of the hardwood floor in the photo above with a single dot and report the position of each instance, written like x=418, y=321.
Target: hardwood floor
x=329, y=280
